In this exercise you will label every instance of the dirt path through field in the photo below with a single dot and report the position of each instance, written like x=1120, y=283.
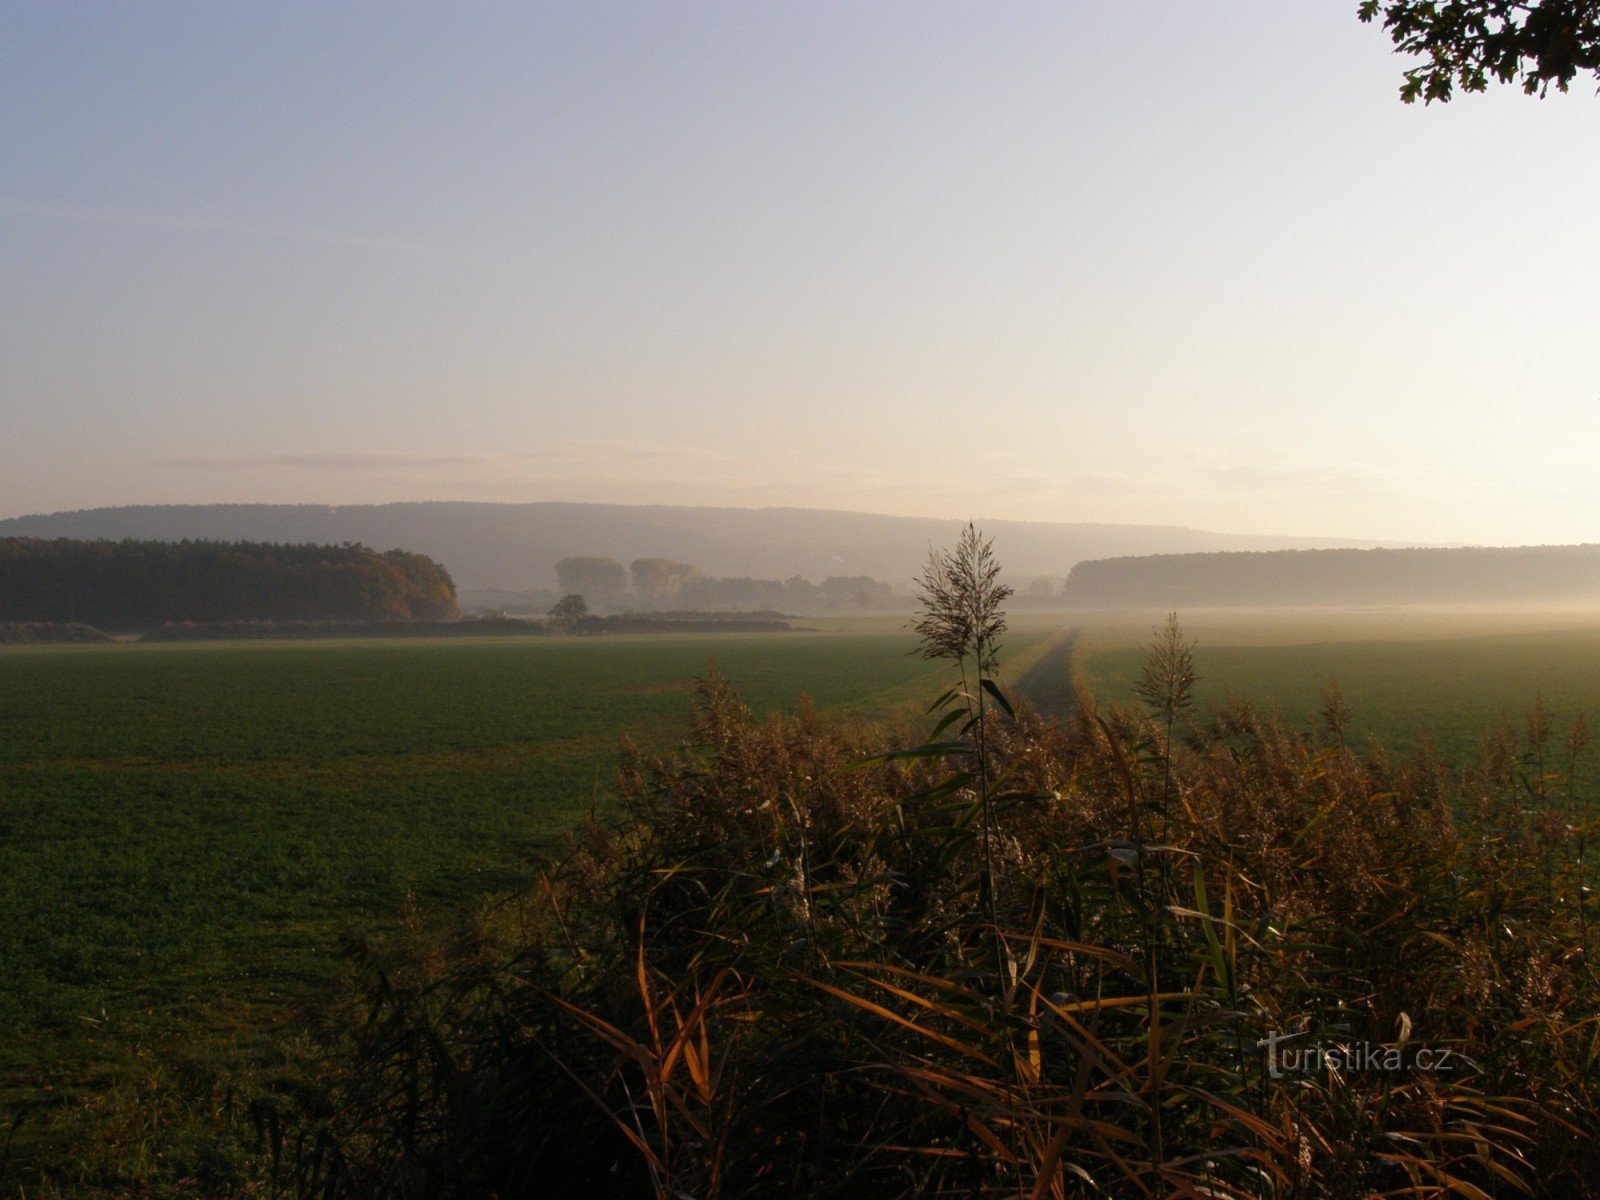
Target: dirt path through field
x=1047, y=684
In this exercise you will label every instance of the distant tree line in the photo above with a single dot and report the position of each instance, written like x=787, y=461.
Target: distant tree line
x=1464, y=575
x=43, y=633
x=597, y=579
x=134, y=585
x=663, y=582
x=657, y=580
x=836, y=591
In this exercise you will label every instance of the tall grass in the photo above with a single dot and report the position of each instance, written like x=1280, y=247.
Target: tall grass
x=802, y=964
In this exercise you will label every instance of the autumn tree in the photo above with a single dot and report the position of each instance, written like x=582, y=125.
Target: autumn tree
x=1466, y=43
x=569, y=610
x=134, y=585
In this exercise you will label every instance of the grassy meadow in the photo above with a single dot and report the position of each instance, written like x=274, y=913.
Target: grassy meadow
x=189, y=832
x=193, y=837
x=1450, y=676
x=1041, y=958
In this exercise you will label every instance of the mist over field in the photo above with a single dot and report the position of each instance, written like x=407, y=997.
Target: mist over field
x=608, y=600
x=1564, y=575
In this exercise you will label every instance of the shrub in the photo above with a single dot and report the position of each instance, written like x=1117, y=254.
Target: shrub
x=795, y=964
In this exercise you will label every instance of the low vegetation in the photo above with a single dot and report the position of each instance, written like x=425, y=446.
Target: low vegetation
x=1139, y=952
x=1448, y=691
x=799, y=955
x=556, y=623
x=189, y=833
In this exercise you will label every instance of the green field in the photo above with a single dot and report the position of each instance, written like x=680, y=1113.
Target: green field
x=188, y=831
x=1452, y=676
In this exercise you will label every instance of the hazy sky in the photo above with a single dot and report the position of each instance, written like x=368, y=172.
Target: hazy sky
x=1117, y=261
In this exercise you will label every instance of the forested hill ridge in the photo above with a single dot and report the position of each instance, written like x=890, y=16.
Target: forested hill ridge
x=129, y=585
x=1456, y=575
x=516, y=545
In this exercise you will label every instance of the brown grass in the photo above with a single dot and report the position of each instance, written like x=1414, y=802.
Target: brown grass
x=800, y=966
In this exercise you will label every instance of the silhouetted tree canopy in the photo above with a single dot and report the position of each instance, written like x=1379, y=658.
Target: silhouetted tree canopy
x=862, y=591
x=134, y=585
x=602, y=578
x=568, y=609
x=659, y=579
x=1469, y=42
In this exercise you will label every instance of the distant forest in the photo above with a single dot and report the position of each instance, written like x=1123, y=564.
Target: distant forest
x=131, y=585
x=512, y=546
x=664, y=583
x=1467, y=575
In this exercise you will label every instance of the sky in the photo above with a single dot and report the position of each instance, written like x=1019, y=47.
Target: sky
x=1130, y=261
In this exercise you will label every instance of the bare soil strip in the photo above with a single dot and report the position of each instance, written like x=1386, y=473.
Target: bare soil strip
x=1048, y=683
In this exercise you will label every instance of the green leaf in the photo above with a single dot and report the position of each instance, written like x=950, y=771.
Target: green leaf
x=993, y=689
